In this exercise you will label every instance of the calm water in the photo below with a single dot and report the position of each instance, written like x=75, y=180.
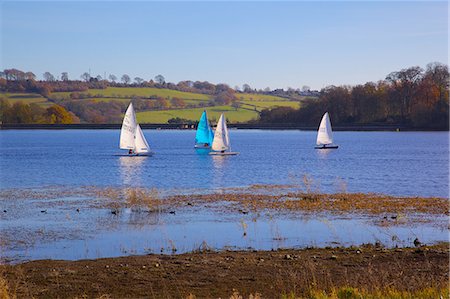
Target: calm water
x=397, y=163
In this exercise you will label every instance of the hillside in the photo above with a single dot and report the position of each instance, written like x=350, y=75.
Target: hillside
x=155, y=105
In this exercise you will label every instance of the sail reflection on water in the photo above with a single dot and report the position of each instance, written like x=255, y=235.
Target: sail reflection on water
x=131, y=170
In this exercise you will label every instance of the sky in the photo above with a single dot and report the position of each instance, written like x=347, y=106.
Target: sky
x=263, y=44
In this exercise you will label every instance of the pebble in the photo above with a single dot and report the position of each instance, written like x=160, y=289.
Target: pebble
x=334, y=257
x=156, y=265
x=288, y=257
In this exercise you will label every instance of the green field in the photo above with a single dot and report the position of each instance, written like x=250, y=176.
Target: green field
x=233, y=115
x=27, y=98
x=251, y=104
x=270, y=104
x=129, y=92
x=126, y=101
x=259, y=97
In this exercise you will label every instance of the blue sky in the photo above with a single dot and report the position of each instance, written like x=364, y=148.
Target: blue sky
x=264, y=44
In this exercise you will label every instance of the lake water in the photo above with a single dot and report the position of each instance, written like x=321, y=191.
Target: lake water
x=66, y=226
x=396, y=163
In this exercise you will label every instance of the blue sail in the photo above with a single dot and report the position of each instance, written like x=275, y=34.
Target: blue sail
x=204, y=131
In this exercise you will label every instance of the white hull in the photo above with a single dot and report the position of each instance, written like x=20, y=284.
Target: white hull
x=140, y=154
x=326, y=146
x=224, y=153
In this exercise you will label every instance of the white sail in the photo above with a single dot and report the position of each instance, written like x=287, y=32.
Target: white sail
x=221, y=139
x=128, y=131
x=141, y=145
x=325, y=134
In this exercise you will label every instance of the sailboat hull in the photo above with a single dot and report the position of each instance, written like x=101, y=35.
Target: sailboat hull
x=224, y=153
x=202, y=146
x=326, y=147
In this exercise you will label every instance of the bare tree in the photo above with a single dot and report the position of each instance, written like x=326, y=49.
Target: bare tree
x=49, y=77
x=112, y=78
x=30, y=76
x=138, y=80
x=306, y=88
x=99, y=78
x=236, y=105
x=64, y=76
x=126, y=79
x=160, y=79
x=246, y=88
x=85, y=76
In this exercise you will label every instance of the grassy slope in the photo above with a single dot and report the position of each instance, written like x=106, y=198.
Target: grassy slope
x=259, y=97
x=125, y=94
x=128, y=92
x=232, y=115
x=27, y=98
x=267, y=104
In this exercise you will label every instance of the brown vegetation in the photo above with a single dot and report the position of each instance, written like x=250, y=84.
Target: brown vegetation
x=21, y=113
x=368, y=271
x=339, y=203
x=411, y=97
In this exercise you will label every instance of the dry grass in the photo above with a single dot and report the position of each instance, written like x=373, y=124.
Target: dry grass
x=137, y=199
x=254, y=198
x=335, y=203
x=388, y=293
x=366, y=272
x=5, y=293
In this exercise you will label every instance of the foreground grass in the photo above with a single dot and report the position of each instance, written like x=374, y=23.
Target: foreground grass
x=364, y=272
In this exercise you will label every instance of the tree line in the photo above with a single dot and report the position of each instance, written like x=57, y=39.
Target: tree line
x=21, y=113
x=412, y=97
x=14, y=80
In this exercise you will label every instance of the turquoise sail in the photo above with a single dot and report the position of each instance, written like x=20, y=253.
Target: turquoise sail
x=205, y=133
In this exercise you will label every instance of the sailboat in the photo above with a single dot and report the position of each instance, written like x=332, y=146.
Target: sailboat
x=221, y=144
x=131, y=136
x=205, y=135
x=325, y=134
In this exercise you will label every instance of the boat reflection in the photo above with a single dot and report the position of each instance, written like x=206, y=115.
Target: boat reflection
x=219, y=169
x=131, y=169
x=324, y=153
x=202, y=151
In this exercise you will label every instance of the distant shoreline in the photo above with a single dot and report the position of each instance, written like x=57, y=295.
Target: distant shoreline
x=192, y=127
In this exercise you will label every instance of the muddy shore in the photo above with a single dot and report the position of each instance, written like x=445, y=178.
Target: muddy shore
x=208, y=274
